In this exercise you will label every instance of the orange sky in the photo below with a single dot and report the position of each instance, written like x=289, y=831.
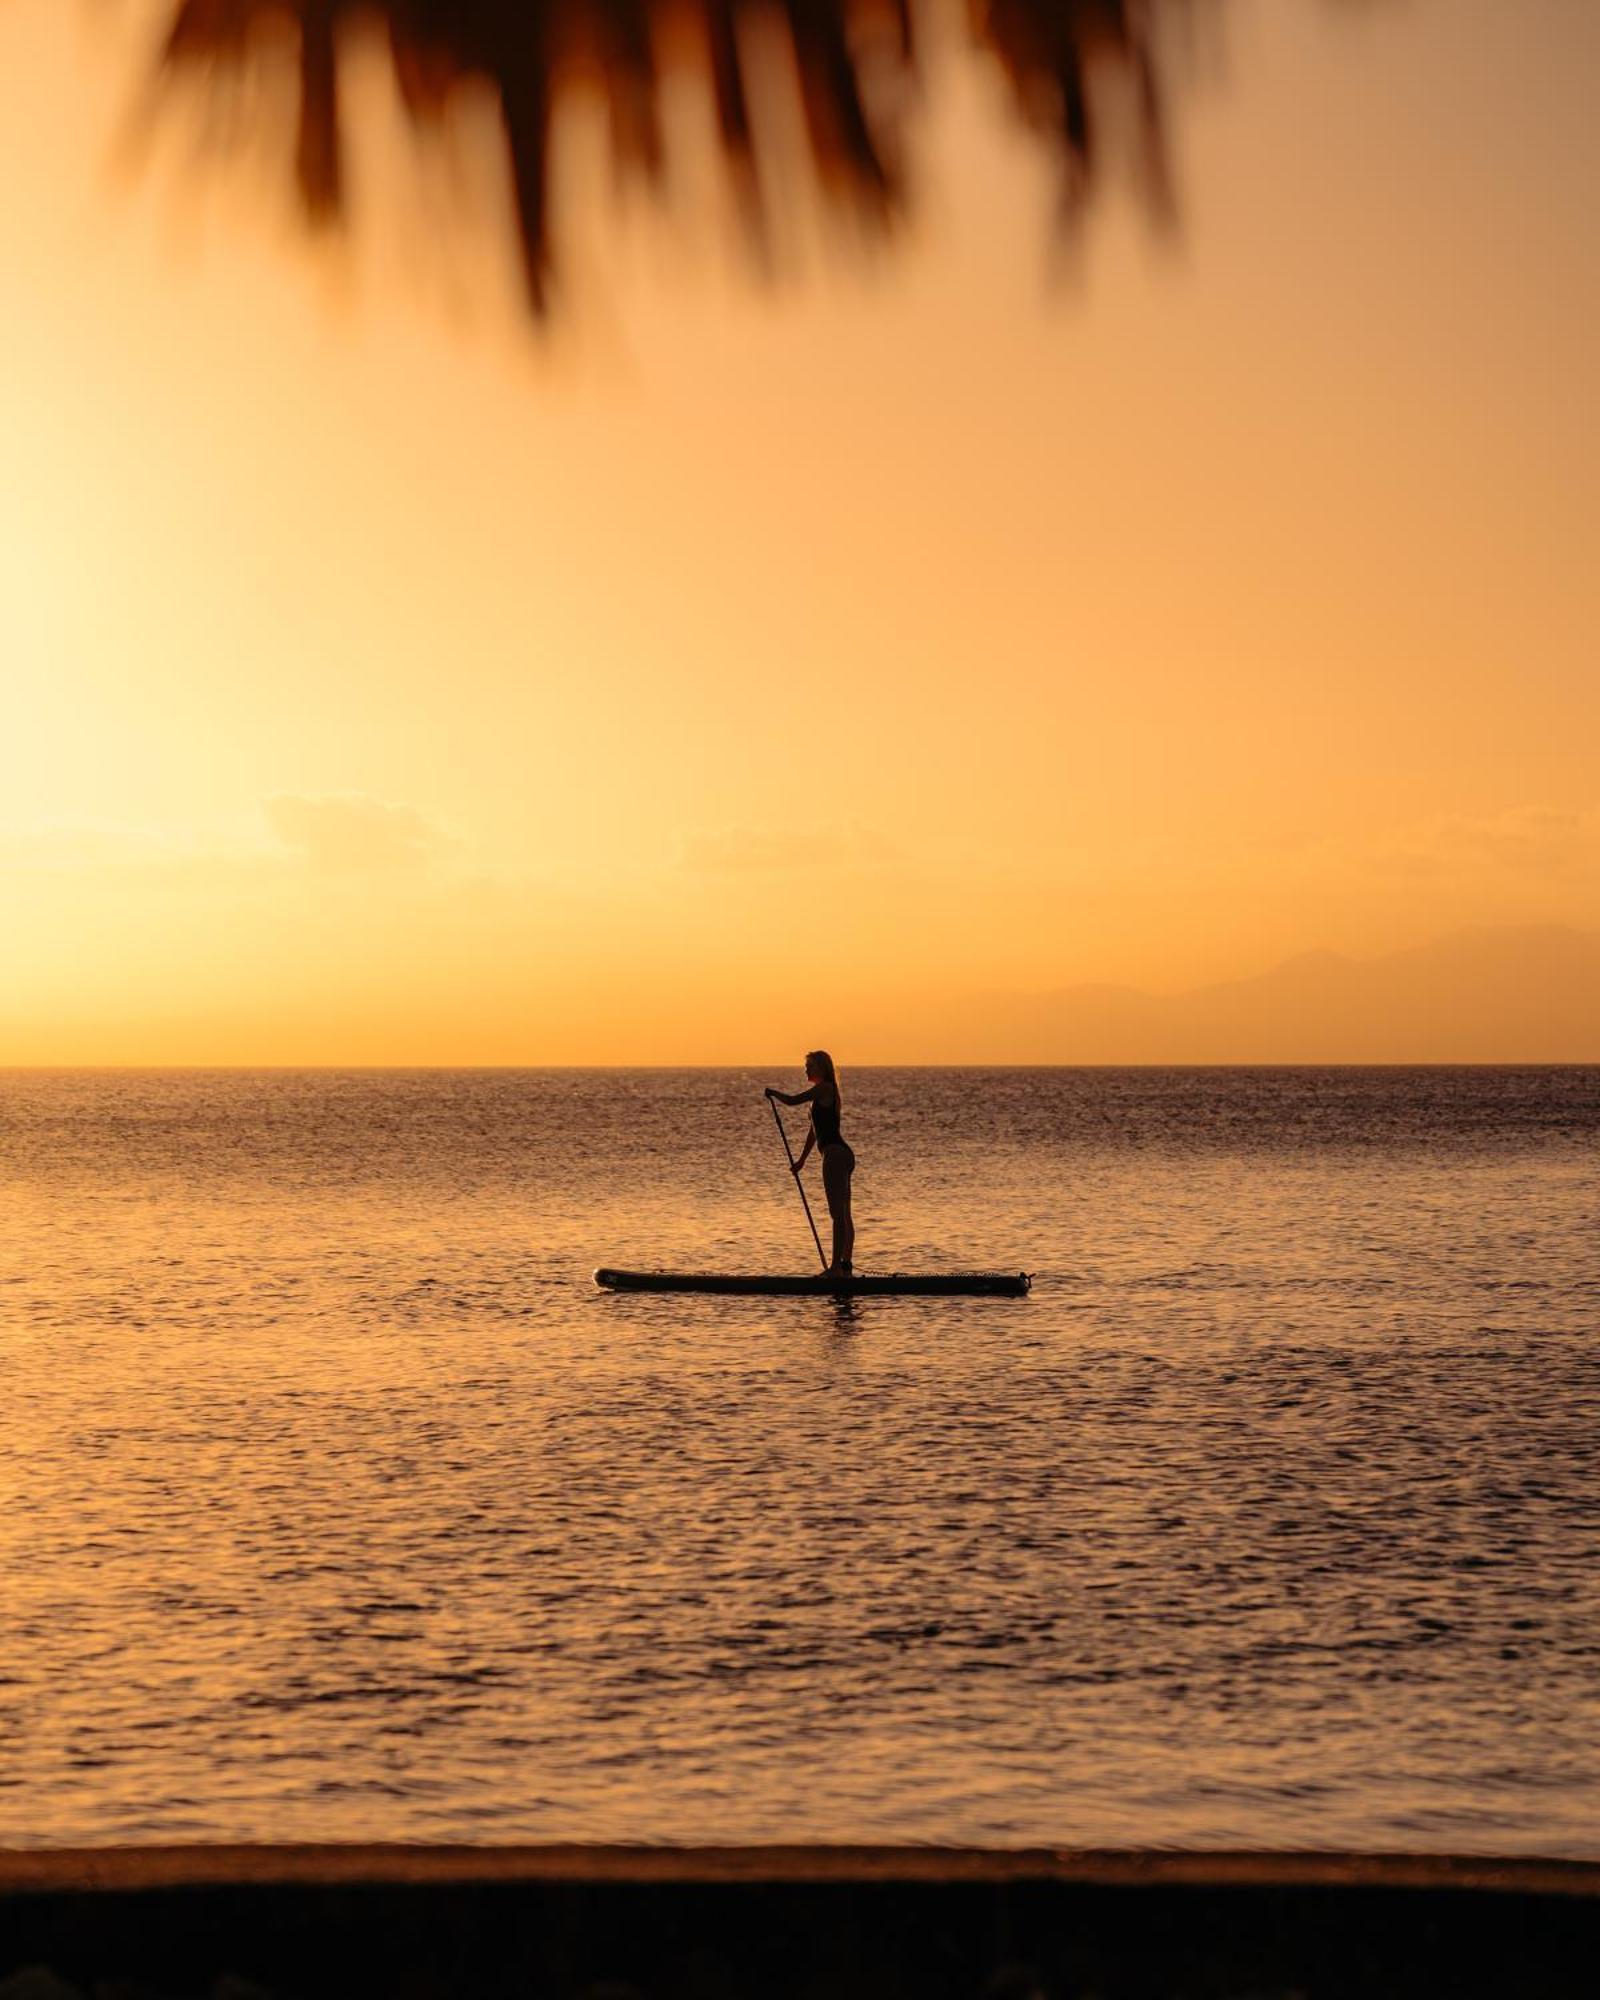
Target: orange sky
x=384, y=684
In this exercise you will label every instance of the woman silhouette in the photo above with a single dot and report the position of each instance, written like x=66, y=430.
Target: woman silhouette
x=838, y=1162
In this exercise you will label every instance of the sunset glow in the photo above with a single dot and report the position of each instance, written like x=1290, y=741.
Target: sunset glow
x=385, y=681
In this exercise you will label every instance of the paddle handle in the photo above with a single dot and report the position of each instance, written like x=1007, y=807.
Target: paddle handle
x=788, y=1154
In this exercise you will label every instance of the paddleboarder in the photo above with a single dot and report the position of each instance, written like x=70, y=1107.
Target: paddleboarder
x=838, y=1162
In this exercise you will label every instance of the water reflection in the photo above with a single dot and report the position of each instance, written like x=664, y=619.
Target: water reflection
x=342, y=1513
x=844, y=1324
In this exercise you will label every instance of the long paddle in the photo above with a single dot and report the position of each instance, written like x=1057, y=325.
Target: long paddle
x=800, y=1184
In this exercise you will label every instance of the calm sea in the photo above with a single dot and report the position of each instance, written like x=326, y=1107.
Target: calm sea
x=335, y=1503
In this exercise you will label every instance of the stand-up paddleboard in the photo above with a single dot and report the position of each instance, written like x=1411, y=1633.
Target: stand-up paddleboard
x=874, y=1284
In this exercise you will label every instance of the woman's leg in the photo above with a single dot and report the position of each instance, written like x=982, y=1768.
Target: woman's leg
x=838, y=1164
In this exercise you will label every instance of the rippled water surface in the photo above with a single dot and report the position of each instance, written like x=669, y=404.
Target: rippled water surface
x=337, y=1503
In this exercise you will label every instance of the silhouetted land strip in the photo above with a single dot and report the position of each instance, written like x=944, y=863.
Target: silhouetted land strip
x=711, y=1923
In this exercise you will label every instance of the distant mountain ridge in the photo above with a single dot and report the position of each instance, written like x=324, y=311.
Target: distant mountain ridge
x=1525, y=994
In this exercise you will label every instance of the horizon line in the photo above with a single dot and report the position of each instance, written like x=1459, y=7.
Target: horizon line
x=527, y=1068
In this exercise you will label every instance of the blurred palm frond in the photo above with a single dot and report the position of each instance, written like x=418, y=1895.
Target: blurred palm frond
x=854, y=65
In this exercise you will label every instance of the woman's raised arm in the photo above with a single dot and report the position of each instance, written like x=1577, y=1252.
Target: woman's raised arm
x=791, y=1097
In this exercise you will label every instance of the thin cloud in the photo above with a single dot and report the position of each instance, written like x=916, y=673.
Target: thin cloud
x=1538, y=843
x=351, y=833
x=761, y=850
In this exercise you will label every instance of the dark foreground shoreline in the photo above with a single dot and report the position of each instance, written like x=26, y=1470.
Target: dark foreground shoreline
x=815, y=1923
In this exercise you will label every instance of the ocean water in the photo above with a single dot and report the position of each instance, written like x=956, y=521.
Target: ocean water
x=336, y=1503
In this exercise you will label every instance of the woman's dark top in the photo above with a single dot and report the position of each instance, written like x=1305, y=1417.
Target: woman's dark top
x=825, y=1117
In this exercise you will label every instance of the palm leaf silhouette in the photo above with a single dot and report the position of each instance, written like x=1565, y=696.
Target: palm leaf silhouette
x=855, y=63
